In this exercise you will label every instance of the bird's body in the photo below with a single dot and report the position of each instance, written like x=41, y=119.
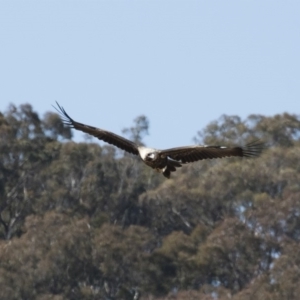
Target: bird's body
x=161, y=163
x=164, y=161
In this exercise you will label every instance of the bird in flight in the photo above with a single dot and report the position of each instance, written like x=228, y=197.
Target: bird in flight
x=164, y=161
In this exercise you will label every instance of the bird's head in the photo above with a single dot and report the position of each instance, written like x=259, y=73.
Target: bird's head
x=151, y=156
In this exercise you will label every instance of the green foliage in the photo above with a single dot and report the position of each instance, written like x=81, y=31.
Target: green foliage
x=279, y=130
x=81, y=221
x=139, y=130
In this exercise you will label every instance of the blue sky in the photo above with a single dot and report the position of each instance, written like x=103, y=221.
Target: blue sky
x=181, y=63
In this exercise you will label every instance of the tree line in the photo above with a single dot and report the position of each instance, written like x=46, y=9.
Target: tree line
x=84, y=221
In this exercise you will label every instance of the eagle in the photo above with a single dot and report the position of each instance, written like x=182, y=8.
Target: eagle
x=164, y=161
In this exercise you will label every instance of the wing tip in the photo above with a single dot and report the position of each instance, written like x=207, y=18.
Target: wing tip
x=254, y=148
x=66, y=119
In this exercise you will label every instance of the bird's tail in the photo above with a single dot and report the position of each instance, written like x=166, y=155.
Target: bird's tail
x=171, y=167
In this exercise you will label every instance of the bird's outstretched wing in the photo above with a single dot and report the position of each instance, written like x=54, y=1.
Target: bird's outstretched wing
x=101, y=134
x=193, y=153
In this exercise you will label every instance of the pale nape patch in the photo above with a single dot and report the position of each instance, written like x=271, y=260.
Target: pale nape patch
x=143, y=151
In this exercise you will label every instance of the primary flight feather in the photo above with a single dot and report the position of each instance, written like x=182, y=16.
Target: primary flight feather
x=164, y=161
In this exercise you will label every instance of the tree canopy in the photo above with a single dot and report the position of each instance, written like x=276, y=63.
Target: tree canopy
x=84, y=221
